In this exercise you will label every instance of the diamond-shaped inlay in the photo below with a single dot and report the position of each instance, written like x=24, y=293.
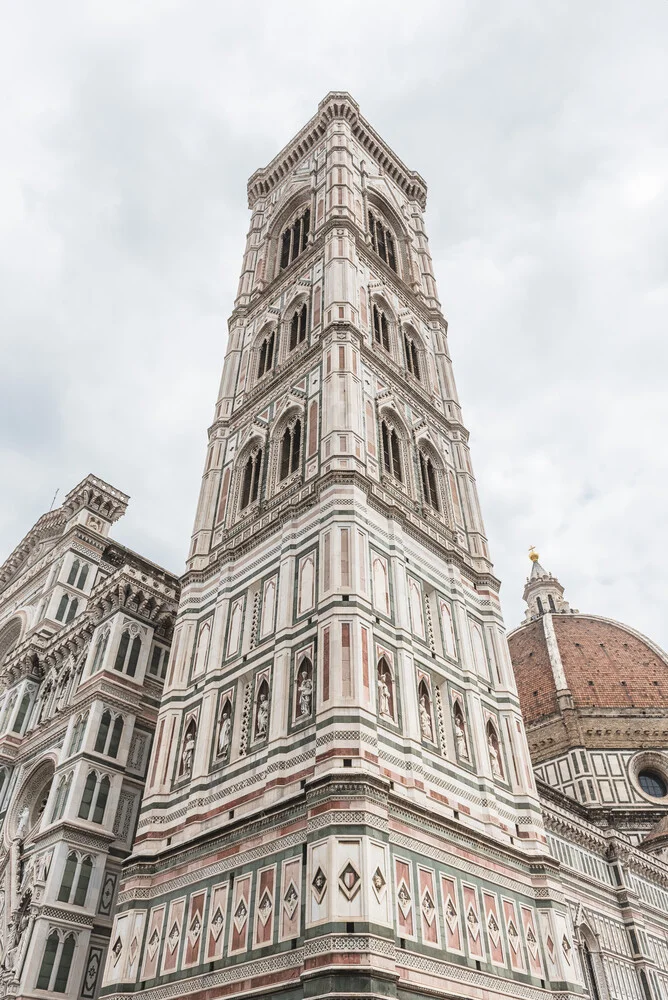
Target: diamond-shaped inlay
x=513, y=936
x=404, y=898
x=153, y=943
x=566, y=948
x=349, y=881
x=265, y=907
x=428, y=908
x=531, y=941
x=174, y=936
x=217, y=923
x=240, y=914
x=473, y=922
x=451, y=915
x=134, y=948
x=194, y=930
x=493, y=928
x=378, y=884
x=117, y=949
x=291, y=900
x=550, y=946
x=319, y=885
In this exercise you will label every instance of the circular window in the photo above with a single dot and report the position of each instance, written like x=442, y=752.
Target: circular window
x=653, y=783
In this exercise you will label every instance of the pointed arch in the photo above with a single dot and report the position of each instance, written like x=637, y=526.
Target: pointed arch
x=248, y=473
x=387, y=221
x=386, y=689
x=494, y=750
x=461, y=732
x=425, y=711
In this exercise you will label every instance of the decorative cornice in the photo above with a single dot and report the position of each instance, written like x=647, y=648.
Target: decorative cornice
x=336, y=106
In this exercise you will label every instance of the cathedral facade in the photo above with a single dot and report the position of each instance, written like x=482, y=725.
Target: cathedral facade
x=85, y=631
x=340, y=800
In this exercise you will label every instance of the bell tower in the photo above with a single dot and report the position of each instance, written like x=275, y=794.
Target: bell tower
x=340, y=798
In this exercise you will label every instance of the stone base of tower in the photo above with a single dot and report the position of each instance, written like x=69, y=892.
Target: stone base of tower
x=347, y=890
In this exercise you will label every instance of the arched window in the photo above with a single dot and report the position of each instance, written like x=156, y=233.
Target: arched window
x=381, y=334
x=250, y=483
x=135, y=650
x=589, y=954
x=295, y=239
x=78, y=734
x=103, y=732
x=62, y=608
x=68, y=878
x=9, y=637
x=541, y=610
x=74, y=569
x=291, y=444
x=82, y=884
x=61, y=797
x=391, y=450
x=64, y=965
x=550, y=601
x=428, y=479
x=21, y=714
x=385, y=690
x=83, y=576
x=115, y=738
x=266, y=359
x=100, y=650
x=298, y=327
x=101, y=800
x=382, y=240
x=73, y=608
x=410, y=350
x=87, y=797
x=48, y=961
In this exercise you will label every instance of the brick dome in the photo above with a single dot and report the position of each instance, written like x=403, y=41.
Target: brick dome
x=606, y=665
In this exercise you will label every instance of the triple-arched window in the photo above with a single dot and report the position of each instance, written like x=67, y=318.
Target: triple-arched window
x=291, y=444
x=94, y=798
x=391, y=450
x=77, y=870
x=382, y=240
x=56, y=962
x=381, y=334
x=266, y=357
x=295, y=239
x=108, y=736
x=411, y=352
x=298, y=326
x=429, y=481
x=250, y=480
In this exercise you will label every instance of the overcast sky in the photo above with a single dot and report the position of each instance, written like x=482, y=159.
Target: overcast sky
x=128, y=131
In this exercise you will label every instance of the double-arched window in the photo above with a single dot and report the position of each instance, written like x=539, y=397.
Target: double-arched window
x=411, y=352
x=97, y=789
x=80, y=570
x=67, y=609
x=77, y=870
x=56, y=962
x=60, y=801
x=127, y=654
x=382, y=240
x=78, y=731
x=295, y=239
x=108, y=736
x=391, y=449
x=429, y=481
x=381, y=333
x=298, y=326
x=266, y=357
x=291, y=445
x=250, y=479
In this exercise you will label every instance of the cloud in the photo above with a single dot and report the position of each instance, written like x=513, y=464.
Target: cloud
x=129, y=132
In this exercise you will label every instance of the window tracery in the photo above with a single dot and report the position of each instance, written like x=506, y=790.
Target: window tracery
x=382, y=240
x=294, y=239
x=56, y=962
x=429, y=480
x=250, y=479
x=96, y=789
x=298, y=325
x=381, y=334
x=291, y=445
x=266, y=354
x=412, y=356
x=391, y=450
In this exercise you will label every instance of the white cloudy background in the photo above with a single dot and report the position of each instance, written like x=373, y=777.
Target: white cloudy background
x=128, y=131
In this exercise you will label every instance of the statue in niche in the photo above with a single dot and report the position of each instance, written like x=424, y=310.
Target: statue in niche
x=494, y=752
x=188, y=752
x=385, y=694
x=460, y=735
x=425, y=719
x=23, y=821
x=225, y=732
x=305, y=691
x=262, y=715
